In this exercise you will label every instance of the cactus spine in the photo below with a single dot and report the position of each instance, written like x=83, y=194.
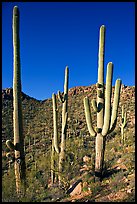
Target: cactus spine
x=20, y=167
x=64, y=100
x=123, y=125
x=106, y=121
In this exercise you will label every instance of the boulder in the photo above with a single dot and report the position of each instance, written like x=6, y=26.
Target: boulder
x=76, y=188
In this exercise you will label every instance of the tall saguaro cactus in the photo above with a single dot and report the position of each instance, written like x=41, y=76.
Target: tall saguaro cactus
x=55, y=141
x=64, y=100
x=106, y=120
x=20, y=167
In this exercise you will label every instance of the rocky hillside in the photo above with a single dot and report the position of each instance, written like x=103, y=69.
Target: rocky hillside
x=37, y=115
x=38, y=130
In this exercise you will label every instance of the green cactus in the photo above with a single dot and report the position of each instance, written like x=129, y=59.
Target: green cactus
x=123, y=125
x=106, y=121
x=52, y=162
x=64, y=122
x=64, y=100
x=55, y=122
x=55, y=146
x=20, y=167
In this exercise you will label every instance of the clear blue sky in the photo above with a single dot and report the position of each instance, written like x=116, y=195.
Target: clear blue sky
x=56, y=34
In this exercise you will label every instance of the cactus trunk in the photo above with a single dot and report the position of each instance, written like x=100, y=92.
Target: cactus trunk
x=100, y=150
x=20, y=167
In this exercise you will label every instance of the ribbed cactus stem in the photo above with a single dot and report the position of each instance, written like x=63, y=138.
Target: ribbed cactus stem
x=65, y=104
x=124, y=117
x=52, y=162
x=60, y=97
x=65, y=123
x=17, y=113
x=55, y=122
x=94, y=105
x=66, y=81
x=123, y=124
x=100, y=94
x=122, y=112
x=115, y=105
x=88, y=116
x=101, y=56
x=108, y=99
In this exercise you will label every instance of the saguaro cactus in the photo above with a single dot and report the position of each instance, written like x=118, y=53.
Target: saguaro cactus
x=55, y=142
x=64, y=100
x=123, y=125
x=106, y=121
x=20, y=168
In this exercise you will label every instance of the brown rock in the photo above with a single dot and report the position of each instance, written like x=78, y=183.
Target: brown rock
x=76, y=188
x=86, y=159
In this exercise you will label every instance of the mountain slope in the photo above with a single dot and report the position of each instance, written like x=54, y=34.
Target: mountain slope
x=38, y=131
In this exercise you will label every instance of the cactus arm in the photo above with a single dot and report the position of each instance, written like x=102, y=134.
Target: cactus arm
x=115, y=105
x=108, y=99
x=101, y=56
x=100, y=89
x=55, y=124
x=10, y=145
x=88, y=116
x=65, y=104
x=94, y=105
x=66, y=80
x=65, y=122
x=60, y=97
x=123, y=125
x=122, y=111
x=125, y=120
x=124, y=117
x=52, y=162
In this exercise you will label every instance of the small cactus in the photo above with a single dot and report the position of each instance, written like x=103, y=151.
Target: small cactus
x=123, y=125
x=52, y=162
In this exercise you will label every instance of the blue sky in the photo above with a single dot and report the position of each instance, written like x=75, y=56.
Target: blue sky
x=56, y=34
